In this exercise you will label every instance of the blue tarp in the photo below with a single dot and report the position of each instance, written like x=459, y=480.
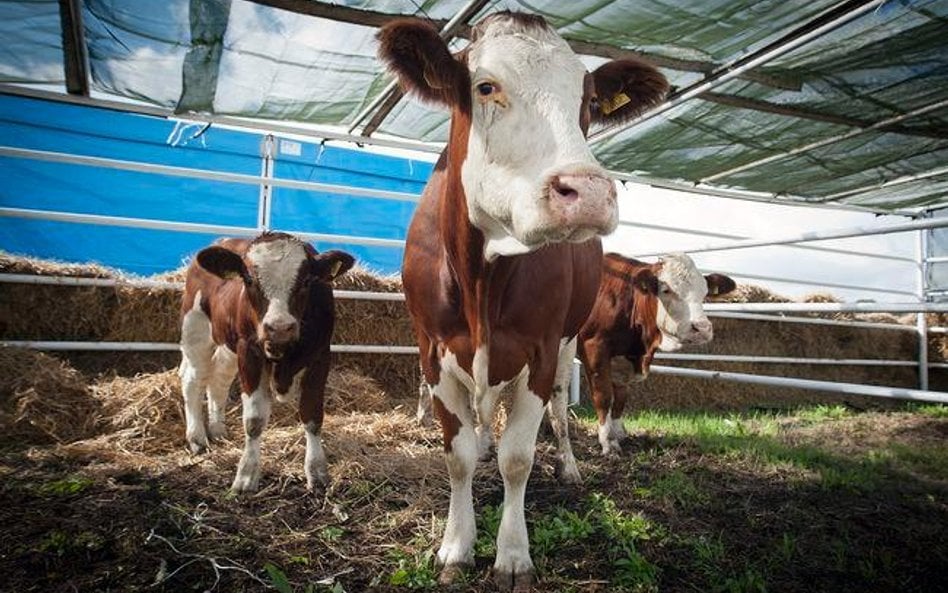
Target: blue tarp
x=71, y=129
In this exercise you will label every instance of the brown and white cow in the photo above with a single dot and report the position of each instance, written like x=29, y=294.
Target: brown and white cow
x=641, y=308
x=262, y=309
x=502, y=256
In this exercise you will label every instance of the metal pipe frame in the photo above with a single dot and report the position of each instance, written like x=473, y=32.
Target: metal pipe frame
x=687, y=231
x=884, y=185
x=812, y=321
x=844, y=233
x=828, y=307
x=73, y=346
x=827, y=141
x=187, y=227
x=921, y=323
x=846, y=388
x=263, y=127
x=814, y=283
x=259, y=180
x=783, y=360
x=752, y=196
x=79, y=281
x=799, y=36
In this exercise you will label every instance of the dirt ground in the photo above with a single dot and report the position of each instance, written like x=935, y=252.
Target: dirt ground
x=831, y=500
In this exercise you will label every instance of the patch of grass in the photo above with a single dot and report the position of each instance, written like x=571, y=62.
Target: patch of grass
x=824, y=412
x=66, y=486
x=929, y=460
x=488, y=522
x=62, y=543
x=331, y=533
x=677, y=488
x=562, y=528
x=414, y=570
x=931, y=410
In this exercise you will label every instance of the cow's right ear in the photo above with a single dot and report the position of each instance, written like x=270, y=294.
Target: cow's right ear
x=646, y=281
x=223, y=263
x=416, y=54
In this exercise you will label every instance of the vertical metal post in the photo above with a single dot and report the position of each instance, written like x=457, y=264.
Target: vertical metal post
x=574, y=383
x=266, y=189
x=921, y=323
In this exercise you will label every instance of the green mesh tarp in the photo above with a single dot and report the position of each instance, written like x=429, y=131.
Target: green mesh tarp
x=803, y=127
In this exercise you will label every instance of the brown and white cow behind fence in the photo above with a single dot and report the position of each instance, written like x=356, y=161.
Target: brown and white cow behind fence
x=641, y=308
x=502, y=256
x=261, y=309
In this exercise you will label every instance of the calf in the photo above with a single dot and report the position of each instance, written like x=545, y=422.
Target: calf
x=261, y=309
x=641, y=308
x=502, y=256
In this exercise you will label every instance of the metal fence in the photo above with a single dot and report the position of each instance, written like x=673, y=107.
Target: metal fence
x=753, y=311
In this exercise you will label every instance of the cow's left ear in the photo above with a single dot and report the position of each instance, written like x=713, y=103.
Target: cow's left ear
x=224, y=263
x=331, y=264
x=626, y=88
x=646, y=281
x=719, y=284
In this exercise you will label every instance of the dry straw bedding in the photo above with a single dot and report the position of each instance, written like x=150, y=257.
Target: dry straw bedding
x=135, y=314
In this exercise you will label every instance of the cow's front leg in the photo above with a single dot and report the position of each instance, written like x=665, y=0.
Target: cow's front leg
x=311, y=414
x=599, y=372
x=223, y=369
x=197, y=348
x=513, y=567
x=451, y=405
x=256, y=414
x=566, y=470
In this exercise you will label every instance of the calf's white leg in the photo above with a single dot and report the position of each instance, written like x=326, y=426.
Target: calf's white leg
x=566, y=469
x=197, y=348
x=256, y=413
x=218, y=388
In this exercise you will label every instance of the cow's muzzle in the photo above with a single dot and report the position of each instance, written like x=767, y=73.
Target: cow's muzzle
x=583, y=204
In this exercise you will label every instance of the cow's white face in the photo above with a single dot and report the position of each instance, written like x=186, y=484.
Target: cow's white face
x=681, y=292
x=529, y=177
x=276, y=266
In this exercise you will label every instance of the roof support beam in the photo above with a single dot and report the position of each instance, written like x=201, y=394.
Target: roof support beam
x=830, y=20
x=884, y=185
x=940, y=133
x=388, y=98
x=75, y=61
x=879, y=125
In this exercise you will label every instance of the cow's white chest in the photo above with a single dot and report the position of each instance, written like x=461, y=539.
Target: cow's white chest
x=292, y=394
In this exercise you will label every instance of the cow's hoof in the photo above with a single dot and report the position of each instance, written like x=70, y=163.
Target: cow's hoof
x=567, y=474
x=246, y=482
x=317, y=480
x=216, y=430
x=452, y=573
x=197, y=446
x=519, y=579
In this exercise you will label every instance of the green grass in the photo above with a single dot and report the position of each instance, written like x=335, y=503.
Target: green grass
x=760, y=440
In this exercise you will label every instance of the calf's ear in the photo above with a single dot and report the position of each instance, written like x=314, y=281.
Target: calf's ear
x=646, y=281
x=331, y=264
x=416, y=54
x=626, y=88
x=719, y=284
x=224, y=263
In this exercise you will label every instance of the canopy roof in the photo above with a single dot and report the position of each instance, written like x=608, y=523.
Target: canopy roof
x=792, y=101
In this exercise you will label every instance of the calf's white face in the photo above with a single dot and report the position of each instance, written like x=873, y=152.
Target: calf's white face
x=681, y=292
x=276, y=266
x=529, y=176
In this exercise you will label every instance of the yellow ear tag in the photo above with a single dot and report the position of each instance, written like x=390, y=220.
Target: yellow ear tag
x=335, y=269
x=231, y=275
x=610, y=105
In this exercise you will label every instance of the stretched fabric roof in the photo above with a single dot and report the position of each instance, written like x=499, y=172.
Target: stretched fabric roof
x=857, y=115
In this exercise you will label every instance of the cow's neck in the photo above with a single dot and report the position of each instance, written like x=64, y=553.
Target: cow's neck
x=464, y=243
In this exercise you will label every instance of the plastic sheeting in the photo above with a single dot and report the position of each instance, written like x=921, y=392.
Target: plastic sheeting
x=40, y=185
x=242, y=58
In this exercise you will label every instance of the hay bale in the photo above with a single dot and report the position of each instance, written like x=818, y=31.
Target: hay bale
x=43, y=400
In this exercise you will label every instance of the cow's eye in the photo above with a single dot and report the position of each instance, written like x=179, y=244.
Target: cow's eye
x=485, y=89
x=594, y=105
